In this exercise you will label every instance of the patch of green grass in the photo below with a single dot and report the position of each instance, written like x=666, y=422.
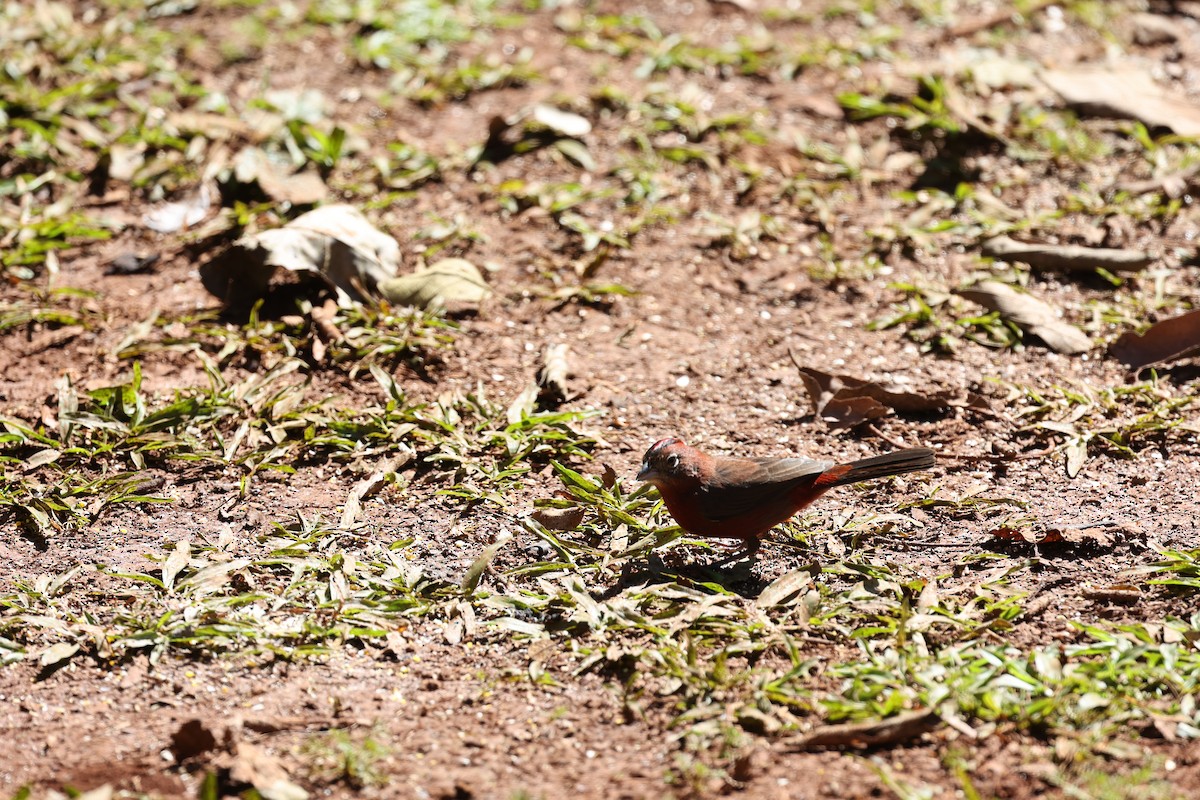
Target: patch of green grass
x=54, y=307
x=1120, y=420
x=925, y=112
x=342, y=756
x=1178, y=569
x=1097, y=780
x=1060, y=135
x=304, y=589
x=936, y=320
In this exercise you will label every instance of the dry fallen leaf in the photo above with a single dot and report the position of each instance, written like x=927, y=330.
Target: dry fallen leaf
x=180, y=214
x=277, y=182
x=451, y=282
x=1164, y=341
x=844, y=401
x=335, y=242
x=1030, y=313
x=254, y=766
x=559, y=519
x=1065, y=257
x=1126, y=93
x=788, y=586
x=1098, y=535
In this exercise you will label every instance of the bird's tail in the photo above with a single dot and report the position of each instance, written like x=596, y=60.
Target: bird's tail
x=895, y=463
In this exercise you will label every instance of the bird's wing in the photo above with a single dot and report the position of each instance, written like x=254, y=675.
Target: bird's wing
x=753, y=483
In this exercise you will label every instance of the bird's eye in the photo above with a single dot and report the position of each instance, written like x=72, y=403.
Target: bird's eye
x=672, y=462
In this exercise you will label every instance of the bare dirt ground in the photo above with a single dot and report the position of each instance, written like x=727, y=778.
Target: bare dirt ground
x=773, y=236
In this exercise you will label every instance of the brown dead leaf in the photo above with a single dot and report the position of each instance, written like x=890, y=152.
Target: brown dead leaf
x=1065, y=257
x=893, y=730
x=1126, y=93
x=608, y=476
x=1030, y=313
x=843, y=401
x=253, y=766
x=277, y=182
x=559, y=519
x=1101, y=535
x=453, y=283
x=1168, y=340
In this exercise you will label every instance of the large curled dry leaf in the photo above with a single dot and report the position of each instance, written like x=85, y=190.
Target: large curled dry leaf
x=1125, y=93
x=449, y=283
x=1030, y=313
x=844, y=402
x=334, y=242
x=1164, y=341
x=1065, y=257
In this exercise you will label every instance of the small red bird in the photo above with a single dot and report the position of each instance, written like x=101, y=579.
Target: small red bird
x=743, y=498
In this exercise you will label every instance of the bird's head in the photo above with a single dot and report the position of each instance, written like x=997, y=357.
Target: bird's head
x=667, y=461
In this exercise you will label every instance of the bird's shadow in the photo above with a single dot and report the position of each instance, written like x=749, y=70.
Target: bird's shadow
x=733, y=573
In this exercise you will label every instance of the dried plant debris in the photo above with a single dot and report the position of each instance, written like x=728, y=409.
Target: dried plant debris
x=843, y=401
x=1126, y=93
x=870, y=733
x=562, y=519
x=1174, y=184
x=180, y=214
x=1164, y=341
x=1031, y=314
x=239, y=763
x=1065, y=257
x=277, y=181
x=334, y=242
x=1104, y=535
x=454, y=284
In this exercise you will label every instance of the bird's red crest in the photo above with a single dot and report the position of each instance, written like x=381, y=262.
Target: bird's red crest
x=661, y=443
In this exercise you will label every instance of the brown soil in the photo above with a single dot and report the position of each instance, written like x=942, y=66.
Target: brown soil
x=455, y=725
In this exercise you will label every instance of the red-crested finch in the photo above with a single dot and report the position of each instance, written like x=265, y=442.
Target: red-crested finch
x=743, y=498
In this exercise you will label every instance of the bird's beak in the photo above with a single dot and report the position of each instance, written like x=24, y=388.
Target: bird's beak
x=646, y=473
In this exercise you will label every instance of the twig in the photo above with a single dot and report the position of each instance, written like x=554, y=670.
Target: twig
x=974, y=26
